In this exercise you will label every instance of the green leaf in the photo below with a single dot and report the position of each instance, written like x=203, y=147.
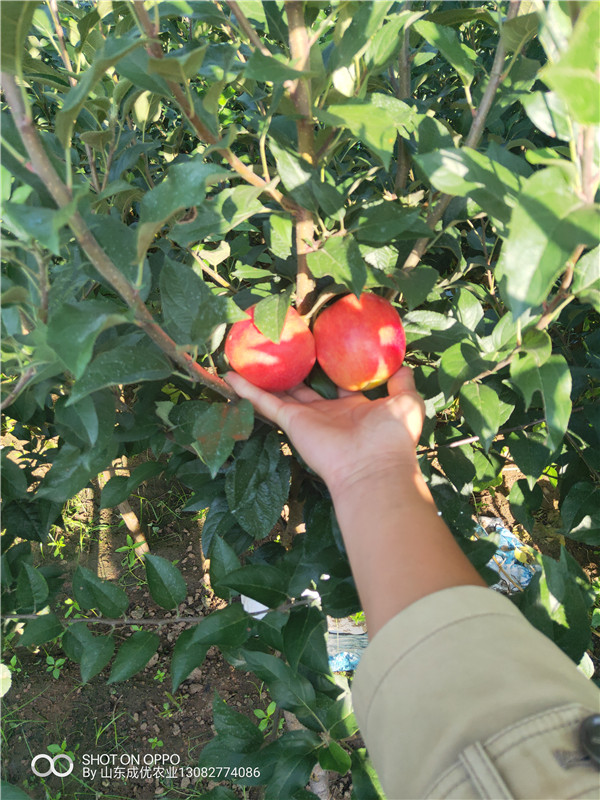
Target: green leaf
x=547, y=224
x=31, y=519
x=586, y=279
x=257, y=484
x=460, y=363
x=235, y=730
x=120, y=487
x=296, y=175
x=223, y=560
x=480, y=406
x=340, y=258
x=74, y=327
x=270, y=313
x=133, y=655
x=339, y=717
x=280, y=239
x=212, y=428
x=131, y=359
x=579, y=65
x=365, y=781
x=32, y=589
x=467, y=173
x=37, y=224
x=524, y=502
x=187, y=655
x=518, y=31
x=185, y=186
x=548, y=113
x=262, y=582
x=5, y=681
x=383, y=222
x=95, y=656
x=289, y=689
x=219, y=215
x=371, y=121
x=227, y=627
x=40, y=630
x=446, y=40
x=14, y=478
x=165, y=582
x=192, y=312
x=90, y=591
x=179, y=64
x=367, y=19
x=294, y=764
x=386, y=42
x=553, y=380
x=72, y=469
x=10, y=792
x=114, y=49
x=557, y=602
x=273, y=69
x=530, y=453
x=135, y=67
x=334, y=757
x=304, y=639
x=580, y=512
x=415, y=284
x=15, y=22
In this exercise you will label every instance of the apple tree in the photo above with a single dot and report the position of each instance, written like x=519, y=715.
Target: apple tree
x=167, y=164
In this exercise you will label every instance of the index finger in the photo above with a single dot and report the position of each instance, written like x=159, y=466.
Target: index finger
x=267, y=404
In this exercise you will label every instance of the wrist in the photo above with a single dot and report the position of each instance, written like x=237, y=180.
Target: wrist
x=390, y=477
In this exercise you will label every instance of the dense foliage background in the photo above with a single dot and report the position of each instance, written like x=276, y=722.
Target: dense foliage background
x=167, y=164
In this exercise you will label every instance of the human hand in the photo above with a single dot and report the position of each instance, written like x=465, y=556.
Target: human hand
x=349, y=438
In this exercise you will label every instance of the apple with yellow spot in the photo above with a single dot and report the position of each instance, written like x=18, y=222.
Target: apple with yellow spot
x=360, y=341
x=273, y=366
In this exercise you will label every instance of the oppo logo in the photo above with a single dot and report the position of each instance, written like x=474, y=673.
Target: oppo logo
x=51, y=762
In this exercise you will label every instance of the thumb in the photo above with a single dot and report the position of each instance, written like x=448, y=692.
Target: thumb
x=402, y=382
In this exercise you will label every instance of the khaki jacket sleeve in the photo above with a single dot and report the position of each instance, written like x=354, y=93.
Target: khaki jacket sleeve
x=458, y=696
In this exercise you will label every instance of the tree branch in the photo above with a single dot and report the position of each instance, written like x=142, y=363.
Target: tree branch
x=245, y=172
x=300, y=93
x=62, y=197
x=158, y=621
x=437, y=212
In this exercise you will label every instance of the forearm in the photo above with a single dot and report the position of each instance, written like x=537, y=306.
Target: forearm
x=399, y=548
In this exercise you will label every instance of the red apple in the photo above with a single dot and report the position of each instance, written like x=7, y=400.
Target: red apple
x=360, y=341
x=275, y=367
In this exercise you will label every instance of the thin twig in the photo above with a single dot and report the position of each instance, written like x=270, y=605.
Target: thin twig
x=53, y=6
x=211, y=272
x=402, y=93
x=500, y=435
x=245, y=25
x=18, y=388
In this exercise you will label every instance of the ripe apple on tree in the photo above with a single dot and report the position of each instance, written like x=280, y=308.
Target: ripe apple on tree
x=360, y=341
x=273, y=366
